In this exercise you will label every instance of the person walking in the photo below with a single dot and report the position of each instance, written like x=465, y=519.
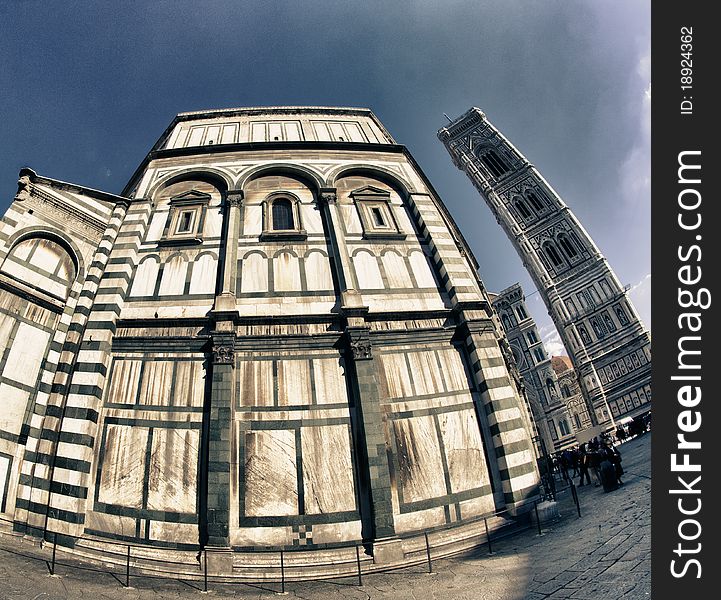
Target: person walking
x=584, y=462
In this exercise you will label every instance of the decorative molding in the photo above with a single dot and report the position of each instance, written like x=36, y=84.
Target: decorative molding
x=60, y=212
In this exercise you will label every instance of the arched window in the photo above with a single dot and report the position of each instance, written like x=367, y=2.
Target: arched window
x=567, y=246
x=495, y=163
x=551, y=388
x=523, y=209
x=584, y=334
x=534, y=201
x=553, y=254
x=566, y=391
x=609, y=322
x=521, y=313
x=563, y=426
x=282, y=215
x=506, y=322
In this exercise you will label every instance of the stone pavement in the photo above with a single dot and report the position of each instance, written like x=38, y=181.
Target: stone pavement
x=606, y=554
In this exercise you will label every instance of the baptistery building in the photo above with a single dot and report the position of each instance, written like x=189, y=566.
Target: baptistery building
x=274, y=336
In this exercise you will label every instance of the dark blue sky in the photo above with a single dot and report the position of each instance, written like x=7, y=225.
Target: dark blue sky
x=86, y=88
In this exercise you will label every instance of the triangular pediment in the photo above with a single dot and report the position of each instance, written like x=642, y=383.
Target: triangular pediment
x=369, y=190
x=189, y=197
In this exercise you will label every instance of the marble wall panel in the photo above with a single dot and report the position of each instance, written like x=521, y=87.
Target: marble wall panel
x=156, y=383
x=124, y=382
x=203, y=278
x=454, y=372
x=327, y=469
x=189, y=388
x=26, y=355
x=146, y=276
x=114, y=524
x=418, y=453
x=122, y=472
x=262, y=536
x=394, y=377
x=317, y=272
x=271, y=483
x=310, y=219
x=352, y=221
x=426, y=372
x=286, y=273
x=253, y=219
x=7, y=323
x=174, y=272
x=254, y=273
x=294, y=382
x=422, y=270
x=173, y=470
x=332, y=533
x=256, y=383
x=396, y=271
x=213, y=225
x=330, y=384
x=467, y=468
x=157, y=226
x=178, y=533
x=419, y=520
x=367, y=272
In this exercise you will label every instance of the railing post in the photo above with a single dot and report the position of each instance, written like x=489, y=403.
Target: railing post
x=488, y=536
x=205, y=569
x=574, y=493
x=357, y=559
x=428, y=552
x=538, y=519
x=55, y=545
x=282, y=573
x=127, y=569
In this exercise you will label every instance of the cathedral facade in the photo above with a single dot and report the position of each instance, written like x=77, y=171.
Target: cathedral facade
x=601, y=331
x=274, y=336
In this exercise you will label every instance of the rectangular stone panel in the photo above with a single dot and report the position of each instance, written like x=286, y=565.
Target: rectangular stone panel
x=255, y=380
x=454, y=372
x=122, y=471
x=26, y=354
x=420, y=467
x=394, y=378
x=14, y=404
x=189, y=384
x=271, y=476
x=463, y=447
x=327, y=469
x=426, y=372
x=156, y=384
x=173, y=470
x=125, y=378
x=293, y=382
x=330, y=386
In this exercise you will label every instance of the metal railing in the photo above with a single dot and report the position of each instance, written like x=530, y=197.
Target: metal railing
x=133, y=557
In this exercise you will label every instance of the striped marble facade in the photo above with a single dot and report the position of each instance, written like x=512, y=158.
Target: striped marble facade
x=275, y=336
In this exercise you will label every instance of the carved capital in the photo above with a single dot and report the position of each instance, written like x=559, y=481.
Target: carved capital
x=234, y=197
x=223, y=352
x=359, y=344
x=327, y=196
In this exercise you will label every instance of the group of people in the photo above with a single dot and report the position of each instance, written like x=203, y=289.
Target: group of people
x=590, y=458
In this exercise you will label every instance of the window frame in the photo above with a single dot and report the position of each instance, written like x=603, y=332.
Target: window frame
x=192, y=202
x=369, y=199
x=297, y=233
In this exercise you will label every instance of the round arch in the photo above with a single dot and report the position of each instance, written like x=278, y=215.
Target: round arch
x=54, y=235
x=400, y=185
x=214, y=177
x=308, y=176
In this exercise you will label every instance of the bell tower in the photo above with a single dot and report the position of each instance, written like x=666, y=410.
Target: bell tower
x=609, y=346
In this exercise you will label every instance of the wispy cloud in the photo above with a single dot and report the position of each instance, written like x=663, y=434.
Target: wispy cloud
x=640, y=295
